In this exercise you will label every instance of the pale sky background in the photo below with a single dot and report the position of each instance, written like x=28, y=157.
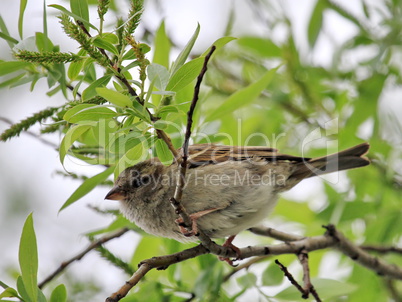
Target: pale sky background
x=27, y=179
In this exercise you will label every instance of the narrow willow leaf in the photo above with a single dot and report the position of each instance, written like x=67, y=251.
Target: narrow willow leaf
x=102, y=43
x=80, y=8
x=23, y=5
x=12, y=66
x=167, y=109
x=28, y=259
x=163, y=152
x=72, y=15
x=315, y=24
x=185, y=75
x=162, y=46
x=43, y=43
x=158, y=75
x=263, y=47
x=4, y=34
x=87, y=186
x=132, y=156
x=182, y=57
x=244, y=96
x=21, y=289
x=90, y=91
x=59, y=294
x=71, y=136
x=115, y=97
x=219, y=44
x=93, y=113
x=10, y=292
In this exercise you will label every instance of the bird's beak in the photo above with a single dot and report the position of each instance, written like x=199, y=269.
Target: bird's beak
x=116, y=194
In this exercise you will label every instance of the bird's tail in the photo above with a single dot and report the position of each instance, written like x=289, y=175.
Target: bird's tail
x=347, y=159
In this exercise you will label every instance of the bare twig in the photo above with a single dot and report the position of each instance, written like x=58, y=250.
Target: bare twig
x=270, y=232
x=362, y=257
x=176, y=199
x=308, y=286
x=382, y=249
x=245, y=265
x=159, y=263
x=290, y=277
x=332, y=238
x=78, y=257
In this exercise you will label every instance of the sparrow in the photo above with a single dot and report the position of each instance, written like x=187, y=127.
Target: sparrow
x=227, y=189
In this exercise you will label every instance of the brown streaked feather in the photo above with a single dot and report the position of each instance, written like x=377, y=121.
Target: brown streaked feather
x=206, y=154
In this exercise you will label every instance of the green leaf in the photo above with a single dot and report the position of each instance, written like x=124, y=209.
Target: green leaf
x=87, y=186
x=59, y=294
x=163, y=152
x=91, y=92
x=167, y=109
x=23, y=5
x=272, y=275
x=102, y=43
x=28, y=259
x=92, y=113
x=80, y=8
x=71, y=136
x=21, y=289
x=4, y=34
x=115, y=97
x=219, y=44
x=132, y=156
x=162, y=47
x=158, y=75
x=182, y=57
x=13, y=81
x=326, y=288
x=185, y=75
x=43, y=43
x=72, y=15
x=12, y=66
x=315, y=24
x=110, y=37
x=10, y=292
x=243, y=96
x=247, y=281
x=260, y=46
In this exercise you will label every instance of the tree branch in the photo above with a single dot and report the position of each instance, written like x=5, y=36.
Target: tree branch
x=91, y=246
x=331, y=238
x=176, y=199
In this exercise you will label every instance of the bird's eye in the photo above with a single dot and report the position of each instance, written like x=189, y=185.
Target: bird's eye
x=145, y=179
x=141, y=181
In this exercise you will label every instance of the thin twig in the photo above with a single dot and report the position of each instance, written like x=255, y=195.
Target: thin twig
x=362, y=257
x=382, y=249
x=270, y=232
x=91, y=246
x=161, y=262
x=176, y=199
x=308, y=286
x=290, y=277
x=332, y=238
x=245, y=265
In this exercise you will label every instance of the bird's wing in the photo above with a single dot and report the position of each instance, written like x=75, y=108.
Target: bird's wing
x=205, y=154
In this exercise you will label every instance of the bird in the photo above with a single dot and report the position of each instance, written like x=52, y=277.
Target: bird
x=227, y=189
